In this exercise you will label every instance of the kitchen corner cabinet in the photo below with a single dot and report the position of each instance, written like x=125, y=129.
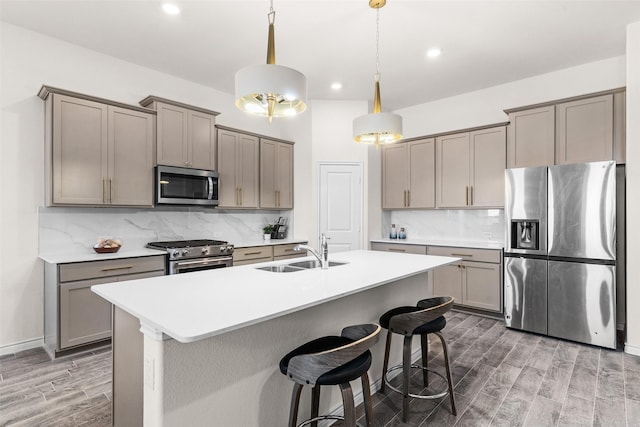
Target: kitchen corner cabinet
x=185, y=134
x=475, y=281
x=408, y=175
x=470, y=169
x=531, y=139
x=238, y=155
x=276, y=174
x=74, y=315
x=98, y=154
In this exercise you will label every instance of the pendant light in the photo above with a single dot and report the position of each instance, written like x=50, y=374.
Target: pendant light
x=378, y=127
x=268, y=89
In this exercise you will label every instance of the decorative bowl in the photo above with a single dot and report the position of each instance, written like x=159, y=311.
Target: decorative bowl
x=110, y=250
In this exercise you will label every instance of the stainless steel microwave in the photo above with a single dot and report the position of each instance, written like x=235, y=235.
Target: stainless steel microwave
x=186, y=186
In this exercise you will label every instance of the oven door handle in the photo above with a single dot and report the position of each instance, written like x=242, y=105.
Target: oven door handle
x=210, y=195
x=207, y=261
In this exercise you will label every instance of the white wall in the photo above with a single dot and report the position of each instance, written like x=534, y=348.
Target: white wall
x=633, y=183
x=484, y=107
x=30, y=60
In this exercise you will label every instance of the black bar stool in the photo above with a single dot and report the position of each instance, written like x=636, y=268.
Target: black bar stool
x=332, y=360
x=427, y=317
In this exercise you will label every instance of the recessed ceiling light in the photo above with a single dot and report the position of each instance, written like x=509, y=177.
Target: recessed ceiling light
x=171, y=9
x=434, y=52
x=336, y=86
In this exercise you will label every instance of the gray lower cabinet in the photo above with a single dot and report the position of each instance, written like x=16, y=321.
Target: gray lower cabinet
x=74, y=315
x=399, y=247
x=475, y=282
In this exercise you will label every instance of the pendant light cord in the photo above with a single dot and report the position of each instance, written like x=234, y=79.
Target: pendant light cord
x=377, y=44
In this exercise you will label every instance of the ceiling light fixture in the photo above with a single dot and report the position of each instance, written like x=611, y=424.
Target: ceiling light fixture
x=378, y=127
x=171, y=9
x=268, y=89
x=434, y=52
x=336, y=86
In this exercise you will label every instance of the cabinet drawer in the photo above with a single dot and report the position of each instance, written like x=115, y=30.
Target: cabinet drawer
x=108, y=268
x=251, y=261
x=467, y=254
x=287, y=250
x=254, y=252
x=399, y=247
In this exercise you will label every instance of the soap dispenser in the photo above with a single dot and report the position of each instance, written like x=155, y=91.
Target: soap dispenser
x=394, y=233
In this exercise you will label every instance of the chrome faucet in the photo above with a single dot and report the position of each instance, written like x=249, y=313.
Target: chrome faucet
x=323, y=256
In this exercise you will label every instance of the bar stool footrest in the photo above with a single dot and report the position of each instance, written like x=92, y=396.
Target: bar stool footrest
x=322, y=418
x=418, y=396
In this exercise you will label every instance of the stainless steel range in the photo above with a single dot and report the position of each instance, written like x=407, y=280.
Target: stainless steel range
x=186, y=256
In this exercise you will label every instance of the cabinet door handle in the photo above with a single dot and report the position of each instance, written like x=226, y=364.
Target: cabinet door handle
x=471, y=191
x=104, y=190
x=467, y=193
x=404, y=202
x=124, y=267
x=240, y=196
x=396, y=250
x=237, y=196
x=110, y=190
x=408, y=198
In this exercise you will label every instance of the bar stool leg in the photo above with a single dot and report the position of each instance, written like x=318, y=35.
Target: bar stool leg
x=424, y=344
x=385, y=363
x=348, y=405
x=315, y=404
x=368, y=407
x=295, y=402
x=449, y=380
x=406, y=374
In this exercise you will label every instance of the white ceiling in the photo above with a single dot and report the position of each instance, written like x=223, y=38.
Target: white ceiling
x=485, y=42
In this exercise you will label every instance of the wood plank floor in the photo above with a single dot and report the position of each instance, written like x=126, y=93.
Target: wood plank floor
x=502, y=378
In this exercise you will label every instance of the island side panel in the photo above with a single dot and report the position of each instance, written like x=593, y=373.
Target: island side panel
x=233, y=379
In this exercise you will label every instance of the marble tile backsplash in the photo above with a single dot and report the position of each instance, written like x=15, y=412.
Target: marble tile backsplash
x=80, y=227
x=483, y=225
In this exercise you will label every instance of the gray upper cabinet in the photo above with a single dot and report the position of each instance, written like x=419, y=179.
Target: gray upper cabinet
x=531, y=137
x=408, y=175
x=276, y=174
x=587, y=128
x=584, y=130
x=97, y=154
x=185, y=134
x=238, y=155
x=470, y=168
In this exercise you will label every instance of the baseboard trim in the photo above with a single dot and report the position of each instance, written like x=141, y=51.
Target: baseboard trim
x=21, y=346
x=632, y=349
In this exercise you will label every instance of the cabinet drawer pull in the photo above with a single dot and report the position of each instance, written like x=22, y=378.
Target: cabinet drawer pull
x=126, y=267
x=289, y=250
x=253, y=253
x=397, y=250
x=463, y=255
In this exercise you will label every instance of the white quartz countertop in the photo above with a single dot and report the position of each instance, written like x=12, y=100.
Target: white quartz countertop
x=438, y=242
x=81, y=253
x=88, y=254
x=194, y=306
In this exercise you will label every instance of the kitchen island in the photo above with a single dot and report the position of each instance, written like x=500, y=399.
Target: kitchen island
x=212, y=340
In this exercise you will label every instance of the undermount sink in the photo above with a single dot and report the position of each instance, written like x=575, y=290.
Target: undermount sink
x=297, y=266
x=284, y=268
x=314, y=264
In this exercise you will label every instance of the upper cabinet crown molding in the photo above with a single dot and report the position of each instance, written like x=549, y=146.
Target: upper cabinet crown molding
x=45, y=91
x=562, y=100
x=257, y=135
x=152, y=98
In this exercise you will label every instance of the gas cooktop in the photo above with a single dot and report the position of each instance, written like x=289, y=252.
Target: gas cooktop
x=202, y=248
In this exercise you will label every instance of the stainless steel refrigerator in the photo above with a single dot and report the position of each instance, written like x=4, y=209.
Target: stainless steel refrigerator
x=560, y=251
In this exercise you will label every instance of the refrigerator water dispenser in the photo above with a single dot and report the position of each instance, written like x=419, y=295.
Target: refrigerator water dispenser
x=524, y=234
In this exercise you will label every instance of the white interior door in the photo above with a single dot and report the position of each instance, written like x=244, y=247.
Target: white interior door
x=341, y=205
